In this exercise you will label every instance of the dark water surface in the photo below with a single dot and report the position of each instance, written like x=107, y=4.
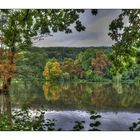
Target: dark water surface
x=118, y=104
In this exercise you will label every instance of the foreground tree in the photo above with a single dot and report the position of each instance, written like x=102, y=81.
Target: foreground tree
x=125, y=31
x=18, y=27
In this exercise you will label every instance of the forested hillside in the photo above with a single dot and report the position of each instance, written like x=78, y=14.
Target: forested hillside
x=70, y=64
x=34, y=59
x=67, y=52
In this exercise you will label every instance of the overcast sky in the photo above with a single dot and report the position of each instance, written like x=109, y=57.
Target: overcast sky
x=96, y=33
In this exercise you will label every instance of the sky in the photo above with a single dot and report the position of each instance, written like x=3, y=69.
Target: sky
x=96, y=33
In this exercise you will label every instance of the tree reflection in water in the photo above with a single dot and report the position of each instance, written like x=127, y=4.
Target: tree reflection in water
x=51, y=92
x=94, y=96
x=5, y=110
x=88, y=97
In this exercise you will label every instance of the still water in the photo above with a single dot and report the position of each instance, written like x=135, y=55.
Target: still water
x=118, y=104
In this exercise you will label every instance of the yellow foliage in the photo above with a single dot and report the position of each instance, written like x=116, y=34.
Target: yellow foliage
x=52, y=69
x=52, y=93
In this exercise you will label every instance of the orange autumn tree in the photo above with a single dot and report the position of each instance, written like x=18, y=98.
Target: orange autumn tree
x=73, y=67
x=7, y=66
x=99, y=63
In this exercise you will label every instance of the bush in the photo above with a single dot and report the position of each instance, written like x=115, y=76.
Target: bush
x=137, y=79
x=97, y=78
x=66, y=76
x=89, y=75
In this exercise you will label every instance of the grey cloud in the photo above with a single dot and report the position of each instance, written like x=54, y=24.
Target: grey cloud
x=95, y=34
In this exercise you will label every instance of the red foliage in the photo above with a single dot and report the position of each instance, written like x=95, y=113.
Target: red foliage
x=99, y=63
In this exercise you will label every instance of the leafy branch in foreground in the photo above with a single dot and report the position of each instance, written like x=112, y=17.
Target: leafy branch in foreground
x=94, y=124
x=78, y=125
x=135, y=126
x=124, y=30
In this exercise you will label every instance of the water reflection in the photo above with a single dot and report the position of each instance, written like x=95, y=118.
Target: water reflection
x=97, y=96
x=51, y=92
x=5, y=107
x=111, y=100
x=91, y=96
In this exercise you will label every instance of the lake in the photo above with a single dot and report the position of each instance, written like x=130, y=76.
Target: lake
x=118, y=104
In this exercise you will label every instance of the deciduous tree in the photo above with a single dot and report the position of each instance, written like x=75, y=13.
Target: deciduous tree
x=125, y=31
x=99, y=63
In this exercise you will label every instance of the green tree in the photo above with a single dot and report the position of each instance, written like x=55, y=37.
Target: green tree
x=85, y=58
x=125, y=32
x=89, y=74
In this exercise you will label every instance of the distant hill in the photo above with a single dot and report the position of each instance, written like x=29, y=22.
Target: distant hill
x=66, y=52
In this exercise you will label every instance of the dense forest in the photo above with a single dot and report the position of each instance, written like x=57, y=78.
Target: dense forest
x=85, y=64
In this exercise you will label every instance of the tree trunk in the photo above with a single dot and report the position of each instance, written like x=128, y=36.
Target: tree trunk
x=5, y=108
x=6, y=85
